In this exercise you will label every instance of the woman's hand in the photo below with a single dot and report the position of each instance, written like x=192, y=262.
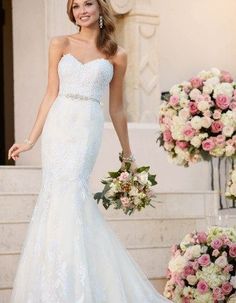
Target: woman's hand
x=133, y=166
x=16, y=149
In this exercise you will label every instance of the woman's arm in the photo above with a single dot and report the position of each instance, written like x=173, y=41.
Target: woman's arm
x=116, y=104
x=55, y=53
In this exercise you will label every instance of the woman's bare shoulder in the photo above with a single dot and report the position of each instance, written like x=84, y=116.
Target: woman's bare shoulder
x=120, y=58
x=59, y=42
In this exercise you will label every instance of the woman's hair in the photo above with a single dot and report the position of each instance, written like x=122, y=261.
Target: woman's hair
x=105, y=41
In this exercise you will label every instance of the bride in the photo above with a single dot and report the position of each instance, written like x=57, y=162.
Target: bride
x=70, y=254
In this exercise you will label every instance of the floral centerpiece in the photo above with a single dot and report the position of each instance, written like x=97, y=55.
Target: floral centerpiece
x=203, y=267
x=128, y=190
x=198, y=118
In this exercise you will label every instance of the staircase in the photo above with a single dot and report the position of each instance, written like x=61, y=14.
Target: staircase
x=148, y=235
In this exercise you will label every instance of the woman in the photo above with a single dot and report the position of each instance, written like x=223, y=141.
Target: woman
x=70, y=254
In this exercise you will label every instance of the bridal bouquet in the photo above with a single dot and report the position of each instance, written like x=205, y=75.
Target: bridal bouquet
x=203, y=267
x=127, y=190
x=198, y=118
x=231, y=185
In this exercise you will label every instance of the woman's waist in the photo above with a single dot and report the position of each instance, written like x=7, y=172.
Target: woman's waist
x=79, y=96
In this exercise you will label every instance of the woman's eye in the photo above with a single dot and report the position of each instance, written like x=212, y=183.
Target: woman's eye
x=88, y=3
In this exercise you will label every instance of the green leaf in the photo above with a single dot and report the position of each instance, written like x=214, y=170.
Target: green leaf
x=143, y=168
x=114, y=174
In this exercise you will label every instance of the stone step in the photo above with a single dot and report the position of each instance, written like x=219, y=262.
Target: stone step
x=135, y=233
x=20, y=178
x=19, y=206
x=152, y=261
x=158, y=283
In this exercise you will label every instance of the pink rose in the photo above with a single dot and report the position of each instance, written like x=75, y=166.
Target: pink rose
x=204, y=260
x=188, y=131
x=167, y=136
x=222, y=101
x=202, y=237
x=232, y=250
x=218, y=294
x=232, y=105
x=217, y=243
x=193, y=107
x=208, y=144
x=216, y=126
x=202, y=287
x=226, y=288
x=226, y=77
x=188, y=270
x=186, y=300
x=182, y=144
x=174, y=100
x=124, y=176
x=228, y=268
x=234, y=93
x=196, y=82
x=194, y=264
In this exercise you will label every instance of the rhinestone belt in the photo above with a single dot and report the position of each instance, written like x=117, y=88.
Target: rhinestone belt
x=81, y=97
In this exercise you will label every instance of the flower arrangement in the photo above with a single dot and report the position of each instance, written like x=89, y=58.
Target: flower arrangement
x=231, y=185
x=203, y=267
x=128, y=190
x=198, y=118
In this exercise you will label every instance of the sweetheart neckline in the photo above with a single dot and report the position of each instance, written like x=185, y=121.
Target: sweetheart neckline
x=88, y=62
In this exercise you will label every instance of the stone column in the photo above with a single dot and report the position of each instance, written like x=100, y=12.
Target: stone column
x=138, y=33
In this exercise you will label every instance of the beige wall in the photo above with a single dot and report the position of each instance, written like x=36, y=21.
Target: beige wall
x=195, y=35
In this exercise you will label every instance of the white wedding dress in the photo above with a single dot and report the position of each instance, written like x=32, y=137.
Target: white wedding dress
x=71, y=254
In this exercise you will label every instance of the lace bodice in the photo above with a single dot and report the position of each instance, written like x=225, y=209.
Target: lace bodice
x=87, y=79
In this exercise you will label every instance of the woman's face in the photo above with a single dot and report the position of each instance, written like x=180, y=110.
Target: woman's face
x=86, y=12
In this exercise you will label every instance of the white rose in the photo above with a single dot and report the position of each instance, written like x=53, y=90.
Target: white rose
x=228, y=131
x=175, y=90
x=193, y=252
x=221, y=261
x=229, y=150
x=196, y=122
x=192, y=280
x=233, y=176
x=168, y=146
x=133, y=191
x=233, y=281
x=206, y=122
x=203, y=105
x=212, y=82
x=184, y=114
x=184, y=102
x=196, y=141
x=194, y=94
x=143, y=177
x=204, y=75
x=223, y=88
x=171, y=112
x=232, y=189
x=216, y=72
x=207, y=89
x=177, y=264
x=203, y=136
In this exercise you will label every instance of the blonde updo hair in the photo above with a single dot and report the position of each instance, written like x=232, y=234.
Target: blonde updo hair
x=105, y=41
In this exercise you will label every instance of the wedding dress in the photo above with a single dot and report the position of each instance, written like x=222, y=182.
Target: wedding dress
x=71, y=254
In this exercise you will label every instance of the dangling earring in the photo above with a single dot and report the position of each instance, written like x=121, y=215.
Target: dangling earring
x=101, y=21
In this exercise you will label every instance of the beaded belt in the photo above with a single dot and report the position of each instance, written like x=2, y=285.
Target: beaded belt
x=81, y=97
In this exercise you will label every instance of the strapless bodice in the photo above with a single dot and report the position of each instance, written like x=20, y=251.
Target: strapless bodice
x=86, y=79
